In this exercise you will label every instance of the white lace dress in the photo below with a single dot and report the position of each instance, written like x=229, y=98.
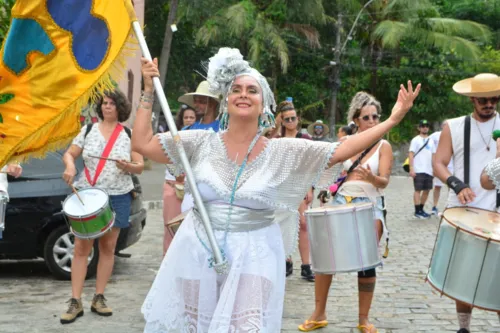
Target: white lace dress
x=187, y=295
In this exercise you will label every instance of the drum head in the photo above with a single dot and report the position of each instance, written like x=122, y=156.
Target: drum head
x=94, y=199
x=339, y=208
x=480, y=222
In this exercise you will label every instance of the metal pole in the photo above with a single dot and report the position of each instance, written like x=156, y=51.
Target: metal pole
x=336, y=78
x=219, y=260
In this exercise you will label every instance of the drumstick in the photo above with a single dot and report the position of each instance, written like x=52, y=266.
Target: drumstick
x=110, y=159
x=77, y=195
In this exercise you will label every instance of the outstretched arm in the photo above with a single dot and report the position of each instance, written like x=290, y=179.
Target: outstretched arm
x=359, y=142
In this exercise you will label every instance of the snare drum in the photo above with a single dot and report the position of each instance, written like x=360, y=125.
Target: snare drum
x=94, y=218
x=465, y=263
x=343, y=238
x=3, y=206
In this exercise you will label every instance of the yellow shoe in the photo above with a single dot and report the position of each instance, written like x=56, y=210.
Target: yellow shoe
x=368, y=327
x=311, y=325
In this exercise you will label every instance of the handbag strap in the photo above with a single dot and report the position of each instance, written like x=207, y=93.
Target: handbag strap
x=357, y=162
x=425, y=144
x=105, y=154
x=467, y=150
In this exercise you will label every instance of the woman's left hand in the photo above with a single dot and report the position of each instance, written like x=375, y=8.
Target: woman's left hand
x=14, y=170
x=122, y=165
x=404, y=102
x=364, y=174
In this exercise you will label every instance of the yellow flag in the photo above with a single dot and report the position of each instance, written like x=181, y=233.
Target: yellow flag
x=58, y=55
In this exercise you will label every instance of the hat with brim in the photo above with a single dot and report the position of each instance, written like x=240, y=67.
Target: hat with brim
x=481, y=85
x=202, y=90
x=310, y=128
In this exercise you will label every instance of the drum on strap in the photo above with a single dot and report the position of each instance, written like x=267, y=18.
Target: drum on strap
x=92, y=219
x=4, y=198
x=465, y=263
x=343, y=238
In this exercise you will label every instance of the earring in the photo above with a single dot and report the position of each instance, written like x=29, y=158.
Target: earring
x=224, y=121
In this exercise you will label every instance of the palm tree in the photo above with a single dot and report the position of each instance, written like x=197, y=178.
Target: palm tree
x=420, y=21
x=264, y=29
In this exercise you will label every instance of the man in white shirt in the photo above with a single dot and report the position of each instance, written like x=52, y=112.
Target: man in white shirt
x=483, y=91
x=14, y=170
x=420, y=155
x=438, y=184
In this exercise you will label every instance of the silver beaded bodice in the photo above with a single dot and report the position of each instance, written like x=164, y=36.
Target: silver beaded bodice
x=279, y=176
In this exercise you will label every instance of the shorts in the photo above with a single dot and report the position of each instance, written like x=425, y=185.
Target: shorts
x=423, y=182
x=378, y=207
x=121, y=206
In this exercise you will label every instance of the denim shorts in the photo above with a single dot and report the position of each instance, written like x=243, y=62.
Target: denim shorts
x=121, y=206
x=378, y=207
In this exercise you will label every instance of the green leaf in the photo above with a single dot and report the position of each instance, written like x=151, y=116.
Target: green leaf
x=4, y=98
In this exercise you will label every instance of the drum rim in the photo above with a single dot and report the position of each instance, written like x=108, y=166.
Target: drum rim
x=468, y=231
x=99, y=211
x=428, y=280
x=340, y=208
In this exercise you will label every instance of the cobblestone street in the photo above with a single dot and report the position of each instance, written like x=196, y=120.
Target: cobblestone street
x=31, y=300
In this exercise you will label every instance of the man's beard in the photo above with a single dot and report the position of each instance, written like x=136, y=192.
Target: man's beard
x=486, y=116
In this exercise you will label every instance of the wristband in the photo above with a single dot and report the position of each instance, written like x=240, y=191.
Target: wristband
x=456, y=184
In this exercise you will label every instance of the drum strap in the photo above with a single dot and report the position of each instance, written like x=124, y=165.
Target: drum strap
x=105, y=154
x=467, y=150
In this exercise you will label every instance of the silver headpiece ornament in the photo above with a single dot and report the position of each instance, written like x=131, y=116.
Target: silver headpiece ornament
x=222, y=70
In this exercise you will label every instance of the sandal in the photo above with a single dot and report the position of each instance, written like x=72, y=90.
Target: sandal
x=311, y=325
x=368, y=327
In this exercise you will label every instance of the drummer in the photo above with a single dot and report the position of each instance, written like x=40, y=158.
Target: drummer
x=483, y=91
x=113, y=177
x=364, y=184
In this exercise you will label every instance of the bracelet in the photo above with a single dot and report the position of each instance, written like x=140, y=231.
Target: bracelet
x=149, y=97
x=456, y=184
x=145, y=107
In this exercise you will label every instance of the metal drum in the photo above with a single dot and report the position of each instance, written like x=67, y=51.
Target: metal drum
x=92, y=219
x=4, y=198
x=465, y=263
x=343, y=238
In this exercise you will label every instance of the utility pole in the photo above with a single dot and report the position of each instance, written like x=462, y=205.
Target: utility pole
x=339, y=49
x=170, y=28
x=335, y=77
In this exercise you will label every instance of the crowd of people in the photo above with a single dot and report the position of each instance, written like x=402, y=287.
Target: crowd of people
x=257, y=172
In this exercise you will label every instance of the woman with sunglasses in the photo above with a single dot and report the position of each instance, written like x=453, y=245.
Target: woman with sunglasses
x=290, y=129
x=364, y=184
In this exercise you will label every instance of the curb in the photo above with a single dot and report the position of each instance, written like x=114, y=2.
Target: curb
x=153, y=204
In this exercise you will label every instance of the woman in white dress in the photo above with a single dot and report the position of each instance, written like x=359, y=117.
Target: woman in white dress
x=251, y=186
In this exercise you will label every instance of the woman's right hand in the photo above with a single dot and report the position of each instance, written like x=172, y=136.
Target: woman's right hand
x=149, y=70
x=69, y=175
x=404, y=102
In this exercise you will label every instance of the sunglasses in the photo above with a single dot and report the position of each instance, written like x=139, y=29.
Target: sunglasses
x=289, y=119
x=374, y=117
x=485, y=100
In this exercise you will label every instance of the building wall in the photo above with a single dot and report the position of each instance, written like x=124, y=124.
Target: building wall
x=131, y=82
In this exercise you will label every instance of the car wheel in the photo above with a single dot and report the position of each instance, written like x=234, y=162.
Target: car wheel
x=58, y=254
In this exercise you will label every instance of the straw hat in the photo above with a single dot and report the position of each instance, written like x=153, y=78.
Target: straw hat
x=202, y=90
x=481, y=85
x=310, y=128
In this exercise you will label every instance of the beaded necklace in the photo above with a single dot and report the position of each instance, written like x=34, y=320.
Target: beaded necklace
x=211, y=259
